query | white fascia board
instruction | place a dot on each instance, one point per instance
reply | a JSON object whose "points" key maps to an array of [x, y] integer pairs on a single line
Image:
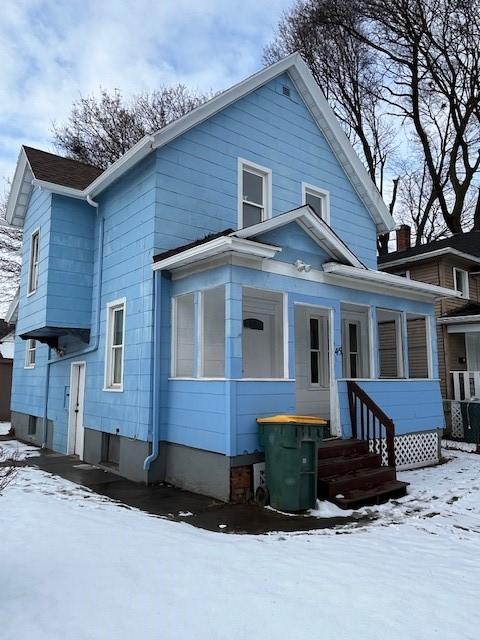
{"points": [[389, 279], [13, 308], [15, 212], [459, 320], [429, 254], [214, 248], [316, 228], [59, 189]]}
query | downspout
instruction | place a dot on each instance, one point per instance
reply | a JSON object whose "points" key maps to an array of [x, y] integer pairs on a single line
{"points": [[156, 310], [92, 347]]}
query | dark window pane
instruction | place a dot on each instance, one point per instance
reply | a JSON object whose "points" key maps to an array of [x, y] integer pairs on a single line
{"points": [[252, 187], [353, 337], [314, 367], [315, 202], [251, 215], [314, 341], [353, 365], [118, 327]]}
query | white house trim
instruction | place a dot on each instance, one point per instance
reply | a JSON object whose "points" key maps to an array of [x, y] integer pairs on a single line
{"points": [[311, 94], [316, 228], [323, 194], [427, 255], [398, 282], [215, 247]]}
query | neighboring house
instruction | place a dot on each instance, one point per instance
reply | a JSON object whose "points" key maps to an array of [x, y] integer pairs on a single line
{"points": [[453, 262], [7, 343], [223, 269]]}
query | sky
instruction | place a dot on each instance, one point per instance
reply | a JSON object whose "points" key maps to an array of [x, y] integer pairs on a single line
{"points": [[53, 51]]}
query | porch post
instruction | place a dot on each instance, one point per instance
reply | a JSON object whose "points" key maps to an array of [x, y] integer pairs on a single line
{"points": [[233, 361], [374, 356]]}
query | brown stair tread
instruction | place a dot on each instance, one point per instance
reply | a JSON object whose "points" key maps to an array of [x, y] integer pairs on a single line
{"points": [[336, 448], [357, 473], [342, 464], [380, 493]]}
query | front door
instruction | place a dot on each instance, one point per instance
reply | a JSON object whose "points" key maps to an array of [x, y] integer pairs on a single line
{"points": [[77, 395], [312, 362]]}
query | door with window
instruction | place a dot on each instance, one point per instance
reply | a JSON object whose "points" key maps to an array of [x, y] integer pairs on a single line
{"points": [[312, 362], [77, 397]]}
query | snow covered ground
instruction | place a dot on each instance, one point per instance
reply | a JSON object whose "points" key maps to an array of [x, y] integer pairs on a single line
{"points": [[78, 567]]}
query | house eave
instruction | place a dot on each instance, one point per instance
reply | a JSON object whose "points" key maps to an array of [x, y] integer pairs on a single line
{"points": [[427, 256], [429, 291], [214, 248], [459, 320]]}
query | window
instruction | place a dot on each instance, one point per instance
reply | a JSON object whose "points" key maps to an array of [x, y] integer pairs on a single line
{"points": [[418, 347], [355, 352], [33, 269], [213, 324], [254, 194], [32, 426], [262, 335], [460, 279], [30, 353], [318, 338], [115, 345], [318, 199], [183, 336], [390, 343]]}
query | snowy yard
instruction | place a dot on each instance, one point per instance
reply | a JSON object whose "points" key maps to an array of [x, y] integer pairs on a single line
{"points": [[76, 566]]}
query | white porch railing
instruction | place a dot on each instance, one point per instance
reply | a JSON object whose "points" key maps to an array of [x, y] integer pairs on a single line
{"points": [[466, 384]]}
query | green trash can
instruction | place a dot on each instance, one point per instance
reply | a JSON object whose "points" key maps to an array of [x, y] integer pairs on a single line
{"points": [[471, 421], [290, 444]]}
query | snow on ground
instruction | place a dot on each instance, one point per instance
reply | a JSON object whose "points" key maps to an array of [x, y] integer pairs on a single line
{"points": [[77, 566], [4, 428]]}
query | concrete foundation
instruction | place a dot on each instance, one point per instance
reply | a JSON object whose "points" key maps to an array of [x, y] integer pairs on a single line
{"points": [[30, 429]]}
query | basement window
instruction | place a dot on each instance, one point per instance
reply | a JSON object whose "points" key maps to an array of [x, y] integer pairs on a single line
{"points": [[390, 343]]}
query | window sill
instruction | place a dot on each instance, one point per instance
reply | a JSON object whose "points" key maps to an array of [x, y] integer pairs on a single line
{"points": [[113, 390], [29, 366], [30, 293]]}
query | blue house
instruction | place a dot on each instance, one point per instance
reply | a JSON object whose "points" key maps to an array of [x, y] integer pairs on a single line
{"points": [[223, 269]]}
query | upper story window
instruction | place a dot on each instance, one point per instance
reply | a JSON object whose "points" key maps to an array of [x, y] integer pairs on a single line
{"points": [[318, 199], [114, 362], [33, 268], [254, 194], [30, 353], [460, 279]]}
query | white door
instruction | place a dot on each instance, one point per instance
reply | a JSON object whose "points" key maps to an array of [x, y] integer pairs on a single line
{"points": [[312, 362], [77, 396]]}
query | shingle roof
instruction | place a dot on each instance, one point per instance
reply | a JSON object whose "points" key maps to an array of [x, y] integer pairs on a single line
{"points": [[64, 171], [190, 245], [469, 309], [464, 242]]}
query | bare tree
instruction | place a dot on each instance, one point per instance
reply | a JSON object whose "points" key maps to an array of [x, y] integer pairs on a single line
{"points": [[102, 128], [347, 72], [10, 254], [414, 69]]}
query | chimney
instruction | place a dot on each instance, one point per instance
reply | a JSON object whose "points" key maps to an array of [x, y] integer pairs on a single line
{"points": [[403, 237]]}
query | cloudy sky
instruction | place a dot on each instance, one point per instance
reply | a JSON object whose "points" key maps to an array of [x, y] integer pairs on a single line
{"points": [[51, 51]]}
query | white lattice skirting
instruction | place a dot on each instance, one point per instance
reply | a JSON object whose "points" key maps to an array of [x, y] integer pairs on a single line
{"points": [[412, 450], [457, 421]]}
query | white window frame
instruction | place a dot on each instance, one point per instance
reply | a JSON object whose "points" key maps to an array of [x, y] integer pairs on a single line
{"points": [[28, 350], [201, 333], [33, 263], [324, 196], [197, 350], [113, 306], [466, 293], [399, 342], [266, 174], [428, 339]]}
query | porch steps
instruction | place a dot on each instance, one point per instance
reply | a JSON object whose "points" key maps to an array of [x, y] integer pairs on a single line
{"points": [[351, 477]]}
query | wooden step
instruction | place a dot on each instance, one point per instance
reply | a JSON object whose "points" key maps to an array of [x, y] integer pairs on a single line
{"points": [[344, 464], [338, 448], [331, 486], [356, 498]]}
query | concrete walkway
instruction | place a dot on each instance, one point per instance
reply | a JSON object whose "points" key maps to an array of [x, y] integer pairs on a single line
{"points": [[178, 505]]}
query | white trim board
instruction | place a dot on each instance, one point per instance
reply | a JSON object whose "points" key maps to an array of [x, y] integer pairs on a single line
{"points": [[313, 98], [427, 256]]}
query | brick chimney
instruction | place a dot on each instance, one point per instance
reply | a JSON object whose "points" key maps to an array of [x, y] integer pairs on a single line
{"points": [[403, 237]]}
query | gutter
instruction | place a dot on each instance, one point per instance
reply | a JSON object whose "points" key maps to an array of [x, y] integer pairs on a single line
{"points": [[90, 348], [156, 316]]}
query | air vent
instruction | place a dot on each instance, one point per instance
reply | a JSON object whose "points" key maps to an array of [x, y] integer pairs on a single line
{"points": [[286, 91]]}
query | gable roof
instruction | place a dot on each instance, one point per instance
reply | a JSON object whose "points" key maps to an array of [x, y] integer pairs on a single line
{"points": [[313, 225], [314, 100], [466, 245]]}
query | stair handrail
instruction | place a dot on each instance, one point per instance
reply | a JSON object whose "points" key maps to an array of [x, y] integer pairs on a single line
{"points": [[355, 392]]}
